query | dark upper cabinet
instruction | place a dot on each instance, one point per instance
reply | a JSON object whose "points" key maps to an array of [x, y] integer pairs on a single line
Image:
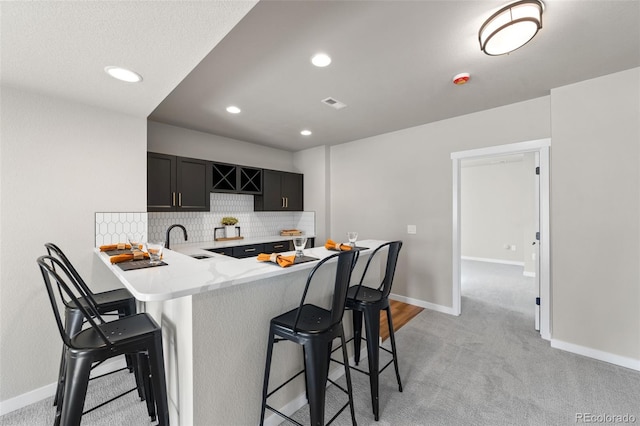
{"points": [[177, 183], [281, 191], [236, 179]]}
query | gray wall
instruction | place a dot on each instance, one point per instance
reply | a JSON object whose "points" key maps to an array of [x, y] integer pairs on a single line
{"points": [[61, 162], [315, 164], [173, 140], [595, 211], [497, 208], [405, 178]]}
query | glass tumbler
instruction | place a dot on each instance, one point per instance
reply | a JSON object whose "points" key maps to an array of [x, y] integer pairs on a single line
{"points": [[352, 237], [155, 252], [299, 244]]}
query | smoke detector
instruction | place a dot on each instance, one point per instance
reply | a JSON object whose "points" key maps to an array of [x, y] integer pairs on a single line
{"points": [[460, 79], [333, 103]]}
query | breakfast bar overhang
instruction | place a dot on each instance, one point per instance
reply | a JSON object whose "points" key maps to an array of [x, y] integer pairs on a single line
{"points": [[215, 315]]}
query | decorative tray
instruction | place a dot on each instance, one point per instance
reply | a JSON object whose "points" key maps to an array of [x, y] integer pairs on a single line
{"points": [[356, 248], [115, 252], [138, 264], [298, 260]]}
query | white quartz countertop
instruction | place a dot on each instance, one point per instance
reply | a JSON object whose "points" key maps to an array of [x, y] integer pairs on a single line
{"points": [[184, 275]]}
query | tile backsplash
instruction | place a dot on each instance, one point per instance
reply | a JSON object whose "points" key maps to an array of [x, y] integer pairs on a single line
{"points": [[200, 225], [114, 227]]}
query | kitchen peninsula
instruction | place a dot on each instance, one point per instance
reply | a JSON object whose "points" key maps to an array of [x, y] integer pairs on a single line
{"points": [[215, 315]]}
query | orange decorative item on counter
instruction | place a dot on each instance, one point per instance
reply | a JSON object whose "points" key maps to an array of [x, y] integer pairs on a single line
{"points": [[139, 255], [119, 246], [283, 261], [332, 245]]}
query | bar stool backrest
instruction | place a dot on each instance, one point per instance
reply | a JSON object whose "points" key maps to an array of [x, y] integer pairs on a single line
{"points": [[341, 286], [54, 271], [56, 252], [390, 269]]}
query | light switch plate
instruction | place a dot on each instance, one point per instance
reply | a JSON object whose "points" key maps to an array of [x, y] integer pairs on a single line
{"points": [[411, 229]]}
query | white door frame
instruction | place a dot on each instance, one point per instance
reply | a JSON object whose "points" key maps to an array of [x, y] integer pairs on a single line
{"points": [[540, 146]]}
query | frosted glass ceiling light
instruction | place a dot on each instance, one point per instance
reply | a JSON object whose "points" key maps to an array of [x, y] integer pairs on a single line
{"points": [[321, 60], [233, 109], [305, 132], [123, 74], [511, 27]]}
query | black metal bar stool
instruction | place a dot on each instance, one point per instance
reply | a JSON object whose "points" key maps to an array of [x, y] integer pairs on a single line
{"points": [[116, 302], [136, 334], [367, 301], [314, 328]]}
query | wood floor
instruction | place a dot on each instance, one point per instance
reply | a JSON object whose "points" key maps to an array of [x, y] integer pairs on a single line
{"points": [[401, 313]]}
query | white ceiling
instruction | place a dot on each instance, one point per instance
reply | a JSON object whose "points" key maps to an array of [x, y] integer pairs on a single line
{"points": [[60, 48], [392, 60]]}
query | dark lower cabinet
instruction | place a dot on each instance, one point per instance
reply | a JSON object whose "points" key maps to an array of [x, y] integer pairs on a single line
{"points": [[252, 250], [177, 183], [278, 247], [281, 191]]}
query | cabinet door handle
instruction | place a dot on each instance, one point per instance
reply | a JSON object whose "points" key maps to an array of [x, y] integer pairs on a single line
{"points": [[180, 199], [286, 202], [282, 202], [173, 197], [279, 246], [249, 250]]}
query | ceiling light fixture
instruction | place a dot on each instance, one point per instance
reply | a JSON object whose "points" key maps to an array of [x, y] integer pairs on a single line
{"points": [[305, 132], [511, 27], [123, 74], [321, 60], [233, 109]]}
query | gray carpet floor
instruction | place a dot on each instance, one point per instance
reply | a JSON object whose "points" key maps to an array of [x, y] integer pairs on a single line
{"points": [[486, 367]]}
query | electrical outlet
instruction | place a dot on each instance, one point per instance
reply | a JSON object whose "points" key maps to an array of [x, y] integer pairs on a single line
{"points": [[411, 229], [513, 248]]}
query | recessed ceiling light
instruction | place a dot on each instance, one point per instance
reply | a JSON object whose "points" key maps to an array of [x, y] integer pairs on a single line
{"points": [[123, 74], [321, 60], [305, 132], [233, 109]]}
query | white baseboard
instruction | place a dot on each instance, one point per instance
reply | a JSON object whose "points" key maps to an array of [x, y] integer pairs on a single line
{"points": [[422, 304], [622, 361], [45, 392], [484, 259]]}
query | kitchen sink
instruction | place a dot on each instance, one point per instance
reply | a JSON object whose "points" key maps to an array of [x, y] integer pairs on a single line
{"points": [[200, 256]]}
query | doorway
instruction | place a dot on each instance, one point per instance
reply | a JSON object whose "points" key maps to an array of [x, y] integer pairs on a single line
{"points": [[539, 238]]}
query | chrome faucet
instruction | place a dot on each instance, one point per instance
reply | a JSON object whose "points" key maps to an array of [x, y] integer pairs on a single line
{"points": [[166, 242]]}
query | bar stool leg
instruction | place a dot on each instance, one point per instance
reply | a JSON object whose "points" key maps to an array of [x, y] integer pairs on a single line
{"points": [[347, 373], [75, 389], [317, 372], [73, 322], [393, 347], [372, 327], [156, 361], [357, 335], [267, 371]]}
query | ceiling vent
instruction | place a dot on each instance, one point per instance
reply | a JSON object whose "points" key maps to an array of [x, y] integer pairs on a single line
{"points": [[333, 103]]}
